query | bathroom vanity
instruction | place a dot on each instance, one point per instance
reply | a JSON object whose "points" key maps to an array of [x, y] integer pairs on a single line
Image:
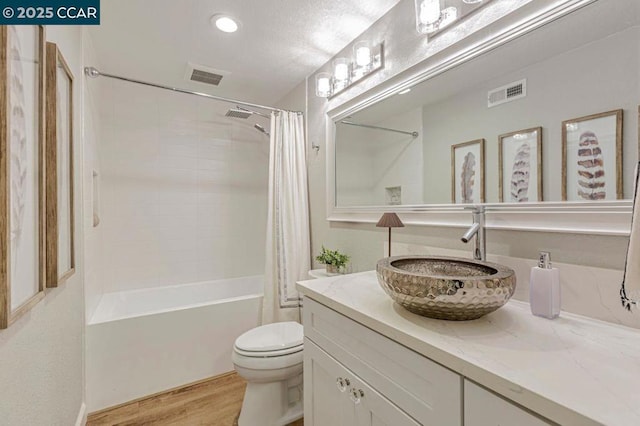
{"points": [[368, 361]]}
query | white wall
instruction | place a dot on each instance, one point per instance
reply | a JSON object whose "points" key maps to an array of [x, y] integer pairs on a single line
{"points": [[41, 354], [184, 189], [93, 236], [364, 242]]}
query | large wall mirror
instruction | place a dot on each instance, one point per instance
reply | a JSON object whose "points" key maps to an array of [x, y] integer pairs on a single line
{"points": [[550, 116]]}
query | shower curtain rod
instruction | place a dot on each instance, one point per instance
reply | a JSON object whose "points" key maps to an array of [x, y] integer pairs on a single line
{"points": [[94, 73], [351, 123]]}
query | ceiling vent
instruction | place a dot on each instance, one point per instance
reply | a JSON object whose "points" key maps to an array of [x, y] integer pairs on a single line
{"points": [[508, 93], [205, 75]]}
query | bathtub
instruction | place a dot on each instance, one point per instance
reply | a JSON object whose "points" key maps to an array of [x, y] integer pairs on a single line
{"points": [[141, 342]]}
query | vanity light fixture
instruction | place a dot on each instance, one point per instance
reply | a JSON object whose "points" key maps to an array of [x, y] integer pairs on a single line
{"points": [[224, 23], [367, 59], [428, 15], [363, 59], [341, 73], [449, 16], [432, 16], [323, 85]]}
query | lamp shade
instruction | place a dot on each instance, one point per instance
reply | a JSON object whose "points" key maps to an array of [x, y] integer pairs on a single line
{"points": [[390, 220]]}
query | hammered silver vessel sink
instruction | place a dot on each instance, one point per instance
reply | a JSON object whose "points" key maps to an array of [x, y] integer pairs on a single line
{"points": [[448, 288]]}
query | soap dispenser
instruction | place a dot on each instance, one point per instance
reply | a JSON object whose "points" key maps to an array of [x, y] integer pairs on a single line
{"points": [[544, 288]]}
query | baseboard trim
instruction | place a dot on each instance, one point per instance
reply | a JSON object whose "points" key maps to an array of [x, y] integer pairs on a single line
{"points": [[81, 420], [146, 397]]}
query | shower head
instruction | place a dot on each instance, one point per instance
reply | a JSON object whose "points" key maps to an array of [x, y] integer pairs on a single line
{"points": [[239, 112], [261, 129]]}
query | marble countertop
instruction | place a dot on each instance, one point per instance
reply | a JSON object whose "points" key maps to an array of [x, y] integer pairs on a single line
{"points": [[320, 273], [572, 370]]}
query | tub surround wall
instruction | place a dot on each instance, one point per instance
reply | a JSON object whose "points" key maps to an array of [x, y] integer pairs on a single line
{"points": [[41, 354], [94, 238], [404, 49], [184, 189]]}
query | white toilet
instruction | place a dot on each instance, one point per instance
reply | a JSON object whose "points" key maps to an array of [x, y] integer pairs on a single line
{"points": [[269, 358]]}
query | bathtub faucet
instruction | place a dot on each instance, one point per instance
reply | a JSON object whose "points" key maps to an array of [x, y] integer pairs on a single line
{"points": [[477, 229]]}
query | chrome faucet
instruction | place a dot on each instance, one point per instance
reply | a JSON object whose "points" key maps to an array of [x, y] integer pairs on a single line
{"points": [[477, 230]]}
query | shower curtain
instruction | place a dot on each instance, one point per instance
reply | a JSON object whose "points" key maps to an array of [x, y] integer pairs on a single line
{"points": [[288, 251]]}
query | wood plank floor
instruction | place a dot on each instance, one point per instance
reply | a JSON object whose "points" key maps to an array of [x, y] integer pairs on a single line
{"points": [[214, 402]]}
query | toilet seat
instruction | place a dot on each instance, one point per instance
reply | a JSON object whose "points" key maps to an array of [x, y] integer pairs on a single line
{"points": [[268, 354], [271, 340]]}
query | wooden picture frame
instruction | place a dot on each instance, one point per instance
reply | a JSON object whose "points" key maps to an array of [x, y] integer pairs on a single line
{"points": [[22, 191], [466, 159], [520, 161], [591, 154], [59, 166]]}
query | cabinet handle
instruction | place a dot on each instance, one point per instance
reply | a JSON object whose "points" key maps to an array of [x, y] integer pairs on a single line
{"points": [[342, 384], [356, 395]]}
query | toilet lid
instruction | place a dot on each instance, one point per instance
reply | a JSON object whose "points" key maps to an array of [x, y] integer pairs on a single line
{"points": [[271, 337]]}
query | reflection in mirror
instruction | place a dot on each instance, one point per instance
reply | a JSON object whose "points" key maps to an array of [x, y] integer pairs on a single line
{"points": [[579, 66]]}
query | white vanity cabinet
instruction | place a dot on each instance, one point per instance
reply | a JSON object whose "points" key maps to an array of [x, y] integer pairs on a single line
{"points": [[509, 368], [355, 376], [338, 397], [484, 408]]}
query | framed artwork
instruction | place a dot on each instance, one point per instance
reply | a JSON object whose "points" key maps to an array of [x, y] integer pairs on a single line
{"points": [[59, 167], [592, 157], [467, 172], [22, 206], [520, 166]]}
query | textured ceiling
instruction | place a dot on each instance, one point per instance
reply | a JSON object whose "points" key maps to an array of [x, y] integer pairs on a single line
{"points": [[280, 42]]}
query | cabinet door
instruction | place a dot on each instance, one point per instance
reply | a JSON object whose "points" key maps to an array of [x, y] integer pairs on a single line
{"points": [[326, 390], [426, 391], [483, 408], [372, 409], [334, 396]]}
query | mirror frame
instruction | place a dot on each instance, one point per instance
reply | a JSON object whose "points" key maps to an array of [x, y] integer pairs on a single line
{"points": [[594, 218]]}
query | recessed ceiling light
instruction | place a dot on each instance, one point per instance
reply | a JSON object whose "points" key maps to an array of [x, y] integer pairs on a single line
{"points": [[402, 92], [224, 23]]}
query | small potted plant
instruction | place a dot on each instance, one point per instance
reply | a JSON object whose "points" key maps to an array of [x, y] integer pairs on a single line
{"points": [[334, 260]]}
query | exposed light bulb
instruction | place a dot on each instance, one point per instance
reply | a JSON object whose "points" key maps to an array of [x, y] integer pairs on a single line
{"points": [[323, 85], [341, 69], [429, 12], [362, 53]]}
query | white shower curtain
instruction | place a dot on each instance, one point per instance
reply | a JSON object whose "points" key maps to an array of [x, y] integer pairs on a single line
{"points": [[288, 251]]}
